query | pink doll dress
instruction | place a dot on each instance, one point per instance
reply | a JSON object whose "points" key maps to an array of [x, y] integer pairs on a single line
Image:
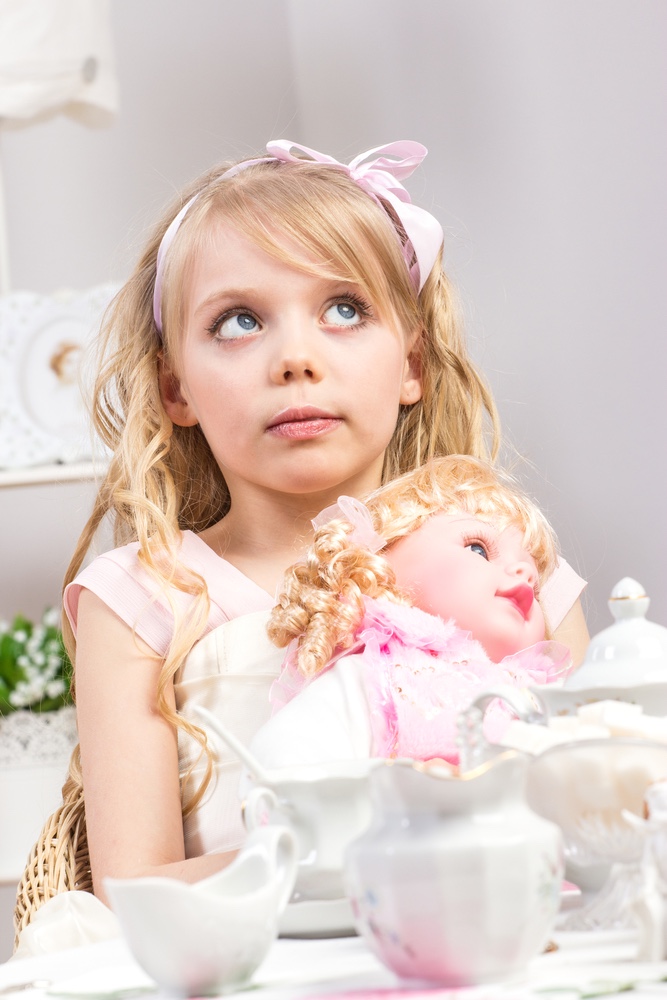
{"points": [[419, 672]]}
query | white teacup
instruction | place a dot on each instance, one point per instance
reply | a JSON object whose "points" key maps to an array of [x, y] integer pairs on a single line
{"points": [[326, 806]]}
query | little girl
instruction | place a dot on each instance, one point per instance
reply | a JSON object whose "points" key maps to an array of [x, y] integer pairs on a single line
{"points": [[387, 650], [287, 336]]}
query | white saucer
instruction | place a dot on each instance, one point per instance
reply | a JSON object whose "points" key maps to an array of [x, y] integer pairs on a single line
{"points": [[328, 918], [317, 918]]}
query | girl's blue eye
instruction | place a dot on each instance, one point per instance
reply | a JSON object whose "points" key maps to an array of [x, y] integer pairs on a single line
{"points": [[479, 549], [238, 325], [342, 314]]}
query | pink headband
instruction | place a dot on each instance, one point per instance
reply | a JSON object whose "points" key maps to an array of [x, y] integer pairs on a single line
{"points": [[379, 177]]}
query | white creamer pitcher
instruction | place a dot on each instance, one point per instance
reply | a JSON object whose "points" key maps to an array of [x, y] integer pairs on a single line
{"points": [[456, 881], [209, 937]]}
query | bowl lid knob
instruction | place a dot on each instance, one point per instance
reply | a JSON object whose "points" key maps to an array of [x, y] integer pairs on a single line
{"points": [[628, 599]]}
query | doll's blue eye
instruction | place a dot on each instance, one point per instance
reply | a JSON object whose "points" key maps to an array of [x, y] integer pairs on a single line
{"points": [[478, 548]]}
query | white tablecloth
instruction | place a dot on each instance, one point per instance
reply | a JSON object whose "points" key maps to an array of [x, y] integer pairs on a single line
{"points": [[583, 965]]}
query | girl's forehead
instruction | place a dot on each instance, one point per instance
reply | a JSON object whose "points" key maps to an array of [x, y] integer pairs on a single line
{"points": [[228, 248], [227, 256]]}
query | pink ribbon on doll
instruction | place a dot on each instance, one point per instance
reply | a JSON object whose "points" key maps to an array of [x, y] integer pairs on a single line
{"points": [[379, 176], [357, 514]]}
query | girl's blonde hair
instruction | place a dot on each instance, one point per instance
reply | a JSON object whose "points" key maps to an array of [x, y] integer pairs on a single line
{"points": [[322, 602], [163, 478]]}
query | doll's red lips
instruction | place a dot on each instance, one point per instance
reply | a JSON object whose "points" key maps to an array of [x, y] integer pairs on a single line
{"points": [[302, 422], [521, 596]]}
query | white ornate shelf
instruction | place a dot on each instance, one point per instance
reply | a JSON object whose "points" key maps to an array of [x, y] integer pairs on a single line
{"points": [[57, 473], [44, 364]]}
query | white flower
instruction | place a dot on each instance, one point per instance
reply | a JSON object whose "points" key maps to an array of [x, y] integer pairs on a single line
{"points": [[55, 688], [51, 618], [39, 659]]}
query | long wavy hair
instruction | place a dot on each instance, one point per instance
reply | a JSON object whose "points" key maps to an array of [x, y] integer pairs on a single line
{"points": [[322, 600], [163, 478]]}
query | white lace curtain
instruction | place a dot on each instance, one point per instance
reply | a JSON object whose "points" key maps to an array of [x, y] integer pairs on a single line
{"points": [[56, 56]]}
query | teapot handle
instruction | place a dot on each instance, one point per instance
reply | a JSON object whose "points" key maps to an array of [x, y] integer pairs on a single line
{"points": [[257, 808], [277, 844]]}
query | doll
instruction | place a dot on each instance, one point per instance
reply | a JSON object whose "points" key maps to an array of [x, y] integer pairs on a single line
{"points": [[387, 648]]}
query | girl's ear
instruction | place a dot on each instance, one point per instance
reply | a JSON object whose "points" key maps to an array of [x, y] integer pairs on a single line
{"points": [[411, 388], [176, 406]]}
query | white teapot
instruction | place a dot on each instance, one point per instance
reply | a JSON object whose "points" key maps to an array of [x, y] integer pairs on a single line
{"points": [[457, 881], [209, 937]]}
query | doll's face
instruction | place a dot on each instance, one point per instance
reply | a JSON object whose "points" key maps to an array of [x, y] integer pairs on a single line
{"points": [[457, 566]]}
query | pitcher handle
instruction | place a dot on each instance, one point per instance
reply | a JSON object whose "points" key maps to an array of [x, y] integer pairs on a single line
{"points": [[525, 703], [473, 747], [278, 845]]}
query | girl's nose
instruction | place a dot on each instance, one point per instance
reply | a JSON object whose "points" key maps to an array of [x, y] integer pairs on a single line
{"points": [[296, 359]]}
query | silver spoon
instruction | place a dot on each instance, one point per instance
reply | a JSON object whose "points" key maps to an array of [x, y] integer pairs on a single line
{"points": [[256, 769]]}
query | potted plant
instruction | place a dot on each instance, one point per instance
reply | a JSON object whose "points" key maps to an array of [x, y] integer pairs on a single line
{"points": [[37, 733]]}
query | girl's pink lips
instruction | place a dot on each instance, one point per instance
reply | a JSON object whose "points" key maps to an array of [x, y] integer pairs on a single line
{"points": [[521, 596], [302, 422]]}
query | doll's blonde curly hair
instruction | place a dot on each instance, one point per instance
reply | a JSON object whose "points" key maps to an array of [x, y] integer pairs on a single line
{"points": [[322, 601]]}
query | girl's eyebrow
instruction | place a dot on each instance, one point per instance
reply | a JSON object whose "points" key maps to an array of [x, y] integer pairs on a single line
{"points": [[235, 294], [327, 288]]}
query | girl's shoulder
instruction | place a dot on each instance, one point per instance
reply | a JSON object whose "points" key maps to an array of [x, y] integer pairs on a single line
{"points": [[121, 581], [559, 592]]}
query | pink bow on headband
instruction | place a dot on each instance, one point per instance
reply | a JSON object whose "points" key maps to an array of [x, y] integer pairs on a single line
{"points": [[379, 177]]}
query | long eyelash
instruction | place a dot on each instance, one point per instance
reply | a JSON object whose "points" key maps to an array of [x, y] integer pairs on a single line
{"points": [[227, 314], [364, 308], [488, 541]]}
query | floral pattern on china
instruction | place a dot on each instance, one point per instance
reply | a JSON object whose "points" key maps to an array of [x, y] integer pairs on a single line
{"points": [[42, 342]]}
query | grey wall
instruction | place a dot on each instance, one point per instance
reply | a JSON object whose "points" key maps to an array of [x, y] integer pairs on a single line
{"points": [[545, 123]]}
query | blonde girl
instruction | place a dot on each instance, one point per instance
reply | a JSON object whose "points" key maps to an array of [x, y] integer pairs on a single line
{"points": [[404, 610], [288, 335]]}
